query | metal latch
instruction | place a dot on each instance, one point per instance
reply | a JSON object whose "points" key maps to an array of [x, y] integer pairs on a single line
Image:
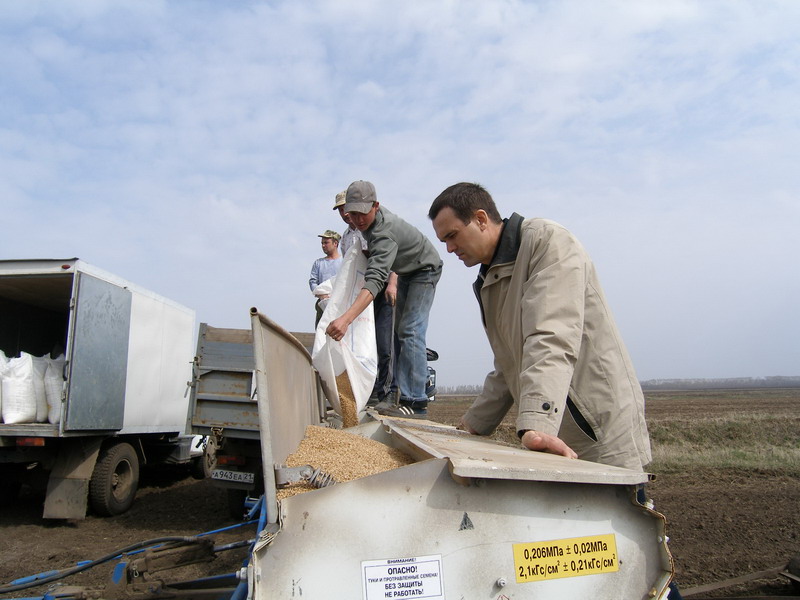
{"points": [[287, 475]]}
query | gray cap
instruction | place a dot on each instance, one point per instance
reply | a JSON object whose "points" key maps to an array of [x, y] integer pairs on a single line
{"points": [[360, 197]]}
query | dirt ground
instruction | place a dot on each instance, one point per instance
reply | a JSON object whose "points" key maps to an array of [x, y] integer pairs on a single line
{"points": [[721, 524]]}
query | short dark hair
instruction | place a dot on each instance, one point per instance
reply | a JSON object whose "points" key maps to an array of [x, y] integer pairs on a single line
{"points": [[465, 199]]}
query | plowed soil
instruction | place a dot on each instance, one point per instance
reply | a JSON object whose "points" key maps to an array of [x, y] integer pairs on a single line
{"points": [[722, 524]]}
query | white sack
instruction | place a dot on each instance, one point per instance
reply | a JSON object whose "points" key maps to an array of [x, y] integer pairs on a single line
{"points": [[325, 288], [356, 353], [3, 363], [19, 395], [39, 366], [54, 387]]}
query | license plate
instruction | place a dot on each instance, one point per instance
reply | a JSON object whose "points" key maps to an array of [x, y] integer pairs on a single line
{"points": [[237, 476]]}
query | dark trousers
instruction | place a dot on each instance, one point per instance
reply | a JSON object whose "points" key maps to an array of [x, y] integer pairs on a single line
{"points": [[384, 338]]}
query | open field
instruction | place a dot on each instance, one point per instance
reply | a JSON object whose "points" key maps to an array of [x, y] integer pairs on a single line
{"points": [[723, 520]]}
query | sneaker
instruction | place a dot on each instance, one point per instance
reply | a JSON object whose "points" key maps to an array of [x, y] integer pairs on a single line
{"points": [[406, 412]]}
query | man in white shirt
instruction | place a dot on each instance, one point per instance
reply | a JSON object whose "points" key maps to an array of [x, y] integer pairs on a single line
{"points": [[326, 267]]}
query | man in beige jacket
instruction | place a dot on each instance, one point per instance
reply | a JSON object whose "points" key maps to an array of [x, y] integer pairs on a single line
{"points": [[557, 350]]}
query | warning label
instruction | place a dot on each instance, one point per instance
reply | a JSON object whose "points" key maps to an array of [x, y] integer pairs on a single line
{"points": [[417, 577], [571, 557]]}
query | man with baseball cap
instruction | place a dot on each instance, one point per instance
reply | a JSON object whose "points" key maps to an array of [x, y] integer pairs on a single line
{"points": [[351, 236], [383, 305], [326, 267], [395, 246]]}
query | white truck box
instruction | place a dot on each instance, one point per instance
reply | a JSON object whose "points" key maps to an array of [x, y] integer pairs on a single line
{"points": [[128, 360]]}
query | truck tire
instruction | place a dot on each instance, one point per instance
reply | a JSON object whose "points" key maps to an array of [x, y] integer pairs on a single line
{"points": [[210, 455], [115, 480], [197, 468]]}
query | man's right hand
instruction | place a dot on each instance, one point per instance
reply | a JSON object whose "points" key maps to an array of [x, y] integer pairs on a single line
{"points": [[544, 442], [337, 328]]}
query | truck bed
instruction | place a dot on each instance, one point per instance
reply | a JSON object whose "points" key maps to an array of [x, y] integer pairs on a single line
{"points": [[222, 396]]}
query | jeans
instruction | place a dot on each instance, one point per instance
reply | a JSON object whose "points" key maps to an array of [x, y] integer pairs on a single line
{"points": [[384, 322], [415, 293]]}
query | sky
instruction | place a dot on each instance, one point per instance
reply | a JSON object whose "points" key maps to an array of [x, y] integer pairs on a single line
{"points": [[195, 148]]}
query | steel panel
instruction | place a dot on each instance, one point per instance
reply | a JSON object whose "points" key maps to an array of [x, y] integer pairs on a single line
{"points": [[223, 386], [98, 356], [289, 398], [420, 510], [477, 456]]}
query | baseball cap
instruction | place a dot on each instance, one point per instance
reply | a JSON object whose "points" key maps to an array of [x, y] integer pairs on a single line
{"points": [[330, 233], [340, 197], [360, 197]]}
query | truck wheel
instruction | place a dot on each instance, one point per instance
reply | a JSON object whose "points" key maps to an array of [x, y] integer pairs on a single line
{"points": [[115, 480], [210, 455], [198, 468]]}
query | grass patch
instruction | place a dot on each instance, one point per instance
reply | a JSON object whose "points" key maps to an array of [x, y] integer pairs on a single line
{"points": [[736, 441], [707, 429]]}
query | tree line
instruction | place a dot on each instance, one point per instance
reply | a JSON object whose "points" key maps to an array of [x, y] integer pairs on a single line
{"points": [[777, 381]]}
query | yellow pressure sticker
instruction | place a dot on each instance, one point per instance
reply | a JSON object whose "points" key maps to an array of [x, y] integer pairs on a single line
{"points": [[572, 557]]}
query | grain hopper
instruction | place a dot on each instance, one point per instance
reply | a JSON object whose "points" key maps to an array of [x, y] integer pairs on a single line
{"points": [[469, 519]]}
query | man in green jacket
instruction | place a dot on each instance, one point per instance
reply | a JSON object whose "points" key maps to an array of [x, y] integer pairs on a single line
{"points": [[557, 351], [395, 246]]}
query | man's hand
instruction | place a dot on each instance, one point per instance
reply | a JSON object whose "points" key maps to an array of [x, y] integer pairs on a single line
{"points": [[337, 328], [544, 442], [391, 296], [391, 289]]}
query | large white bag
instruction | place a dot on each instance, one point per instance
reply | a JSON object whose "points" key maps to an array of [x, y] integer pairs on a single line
{"points": [[38, 367], [19, 393], [3, 363], [356, 353], [54, 387]]}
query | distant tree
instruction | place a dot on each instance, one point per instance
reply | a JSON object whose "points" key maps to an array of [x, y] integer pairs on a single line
{"points": [[778, 381]]}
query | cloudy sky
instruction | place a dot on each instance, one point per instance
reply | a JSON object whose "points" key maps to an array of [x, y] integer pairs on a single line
{"points": [[195, 148]]}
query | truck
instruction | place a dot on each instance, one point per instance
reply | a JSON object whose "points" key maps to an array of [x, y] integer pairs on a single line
{"points": [[120, 400], [224, 410]]}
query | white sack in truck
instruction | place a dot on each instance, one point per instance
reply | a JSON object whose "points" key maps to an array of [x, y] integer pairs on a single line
{"points": [[54, 387], [3, 363], [356, 353], [39, 366], [19, 393]]}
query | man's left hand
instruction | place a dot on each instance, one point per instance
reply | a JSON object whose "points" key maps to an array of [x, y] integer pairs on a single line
{"points": [[391, 289], [544, 442]]}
